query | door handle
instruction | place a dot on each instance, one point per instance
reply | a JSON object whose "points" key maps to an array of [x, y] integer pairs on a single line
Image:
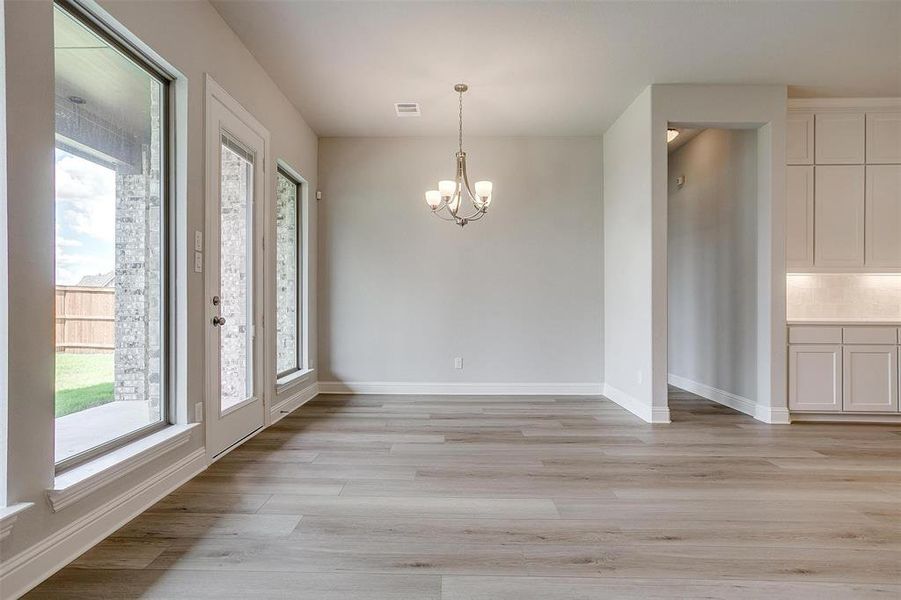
{"points": [[218, 321]]}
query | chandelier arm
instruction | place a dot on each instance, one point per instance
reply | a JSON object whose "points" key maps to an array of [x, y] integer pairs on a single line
{"points": [[442, 217], [478, 214]]}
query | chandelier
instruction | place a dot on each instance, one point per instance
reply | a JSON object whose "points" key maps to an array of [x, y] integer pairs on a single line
{"points": [[446, 201]]}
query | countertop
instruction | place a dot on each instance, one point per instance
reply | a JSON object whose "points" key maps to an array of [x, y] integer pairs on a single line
{"points": [[850, 322]]}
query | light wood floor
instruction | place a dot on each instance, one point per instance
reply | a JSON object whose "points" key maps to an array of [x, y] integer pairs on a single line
{"points": [[396, 498]]}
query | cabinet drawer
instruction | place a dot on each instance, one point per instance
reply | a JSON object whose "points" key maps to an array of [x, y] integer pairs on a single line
{"points": [[811, 334], [869, 335]]}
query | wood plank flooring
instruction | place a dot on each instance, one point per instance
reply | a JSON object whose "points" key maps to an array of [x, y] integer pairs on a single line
{"points": [[496, 498]]}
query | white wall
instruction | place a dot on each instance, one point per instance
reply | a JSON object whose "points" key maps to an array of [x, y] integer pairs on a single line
{"points": [[762, 108], [193, 38], [517, 295], [4, 270], [712, 262], [627, 259], [635, 210]]}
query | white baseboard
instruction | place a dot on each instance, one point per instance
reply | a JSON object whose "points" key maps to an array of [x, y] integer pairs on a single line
{"points": [[35, 564], [293, 402], [635, 406], [460, 389], [887, 418], [773, 416], [734, 401]]}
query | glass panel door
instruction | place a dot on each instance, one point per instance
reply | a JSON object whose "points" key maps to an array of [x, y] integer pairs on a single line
{"points": [[236, 329]]}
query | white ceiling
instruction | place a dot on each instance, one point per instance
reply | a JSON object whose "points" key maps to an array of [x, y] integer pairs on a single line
{"points": [[552, 68]]}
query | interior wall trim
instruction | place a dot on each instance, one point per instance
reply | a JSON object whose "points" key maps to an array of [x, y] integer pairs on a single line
{"points": [[460, 389], [734, 401], [293, 402], [646, 412], [33, 565]]}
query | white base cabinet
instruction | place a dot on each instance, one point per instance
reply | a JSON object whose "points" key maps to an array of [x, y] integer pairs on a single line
{"points": [[851, 369], [815, 378], [870, 378]]}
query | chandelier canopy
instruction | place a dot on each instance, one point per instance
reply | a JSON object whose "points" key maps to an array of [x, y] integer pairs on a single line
{"points": [[446, 201]]}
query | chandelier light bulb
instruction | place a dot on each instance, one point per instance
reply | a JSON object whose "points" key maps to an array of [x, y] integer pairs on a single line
{"points": [[483, 189], [447, 188], [433, 198]]}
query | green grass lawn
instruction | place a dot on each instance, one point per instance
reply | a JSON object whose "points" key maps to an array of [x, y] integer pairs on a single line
{"points": [[83, 381]]}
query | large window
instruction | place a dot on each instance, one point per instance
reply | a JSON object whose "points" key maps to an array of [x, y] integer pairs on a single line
{"points": [[111, 198], [288, 274]]}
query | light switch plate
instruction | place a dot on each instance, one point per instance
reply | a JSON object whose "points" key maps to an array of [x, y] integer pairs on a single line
{"points": [[198, 262], [198, 241]]}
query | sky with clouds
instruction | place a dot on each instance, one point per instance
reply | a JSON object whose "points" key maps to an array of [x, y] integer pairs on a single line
{"points": [[85, 218]]}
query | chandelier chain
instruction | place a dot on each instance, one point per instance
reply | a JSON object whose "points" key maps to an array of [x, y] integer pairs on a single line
{"points": [[460, 139]]}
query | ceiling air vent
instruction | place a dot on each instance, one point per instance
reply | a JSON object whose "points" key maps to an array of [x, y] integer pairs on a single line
{"points": [[406, 109]]}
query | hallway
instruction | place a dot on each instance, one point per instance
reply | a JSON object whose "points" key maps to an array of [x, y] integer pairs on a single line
{"points": [[414, 497]]}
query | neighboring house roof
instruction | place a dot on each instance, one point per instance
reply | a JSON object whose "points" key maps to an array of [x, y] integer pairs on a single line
{"points": [[99, 280]]}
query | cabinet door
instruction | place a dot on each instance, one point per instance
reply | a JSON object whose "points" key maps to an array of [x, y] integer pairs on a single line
{"points": [[799, 139], [839, 139], [870, 375], [883, 209], [815, 377], [884, 138], [839, 216], [799, 217]]}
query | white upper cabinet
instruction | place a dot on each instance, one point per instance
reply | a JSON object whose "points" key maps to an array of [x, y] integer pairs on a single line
{"points": [[884, 138], [839, 217], [799, 139], [840, 138], [883, 216], [799, 216]]}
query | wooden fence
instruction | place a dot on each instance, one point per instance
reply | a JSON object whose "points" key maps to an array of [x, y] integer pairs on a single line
{"points": [[85, 319]]}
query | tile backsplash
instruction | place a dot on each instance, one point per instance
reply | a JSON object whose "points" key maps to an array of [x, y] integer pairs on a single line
{"points": [[851, 296]]}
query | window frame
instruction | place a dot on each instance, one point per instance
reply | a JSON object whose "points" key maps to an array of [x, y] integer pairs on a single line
{"points": [[77, 11], [300, 355]]}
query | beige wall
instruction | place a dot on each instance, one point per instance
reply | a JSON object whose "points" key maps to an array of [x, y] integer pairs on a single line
{"points": [[517, 295], [194, 40]]}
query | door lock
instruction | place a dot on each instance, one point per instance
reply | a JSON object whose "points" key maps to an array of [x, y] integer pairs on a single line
{"points": [[216, 301]]}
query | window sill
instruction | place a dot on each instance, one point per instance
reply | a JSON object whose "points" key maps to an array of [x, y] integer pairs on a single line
{"points": [[8, 517], [76, 483], [294, 378]]}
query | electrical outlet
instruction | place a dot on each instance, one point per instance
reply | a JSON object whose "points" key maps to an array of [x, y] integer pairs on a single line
{"points": [[198, 412], [458, 363], [198, 262]]}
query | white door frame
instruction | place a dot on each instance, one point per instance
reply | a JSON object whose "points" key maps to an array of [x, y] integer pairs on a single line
{"points": [[218, 103]]}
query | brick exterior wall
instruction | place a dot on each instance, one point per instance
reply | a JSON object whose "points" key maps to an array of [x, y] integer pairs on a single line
{"points": [[286, 274], [139, 245]]}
